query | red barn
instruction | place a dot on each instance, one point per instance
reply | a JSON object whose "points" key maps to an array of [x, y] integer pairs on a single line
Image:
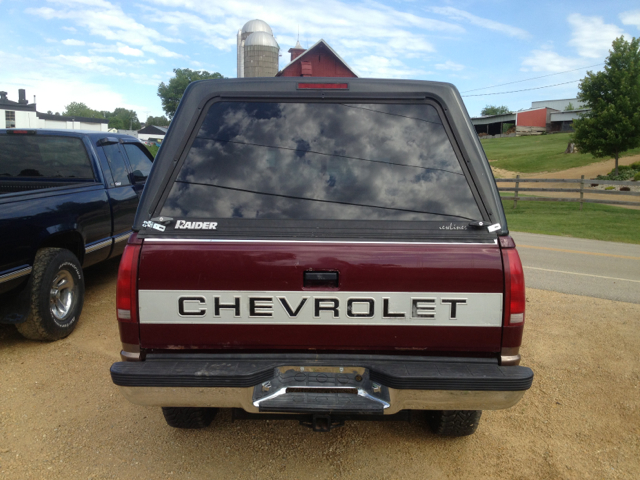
{"points": [[538, 118], [320, 60]]}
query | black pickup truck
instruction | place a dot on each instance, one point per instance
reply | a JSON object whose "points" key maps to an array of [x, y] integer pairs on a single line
{"points": [[67, 201]]}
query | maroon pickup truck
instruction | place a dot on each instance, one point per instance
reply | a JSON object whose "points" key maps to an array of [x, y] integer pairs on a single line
{"points": [[324, 250]]}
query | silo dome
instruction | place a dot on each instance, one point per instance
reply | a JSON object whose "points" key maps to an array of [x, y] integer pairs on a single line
{"points": [[256, 26], [262, 39]]}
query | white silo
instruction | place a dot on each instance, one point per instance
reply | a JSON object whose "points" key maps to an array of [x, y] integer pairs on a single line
{"points": [[261, 50]]}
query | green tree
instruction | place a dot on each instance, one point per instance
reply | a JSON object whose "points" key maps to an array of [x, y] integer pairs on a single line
{"points": [[172, 92], [158, 121], [117, 123], [612, 126], [495, 110], [128, 119], [79, 109], [569, 107]]}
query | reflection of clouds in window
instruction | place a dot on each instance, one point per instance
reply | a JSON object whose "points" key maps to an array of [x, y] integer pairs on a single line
{"points": [[383, 164], [338, 129], [200, 201]]}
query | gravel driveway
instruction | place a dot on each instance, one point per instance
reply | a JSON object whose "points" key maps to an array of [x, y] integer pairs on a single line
{"points": [[61, 417]]}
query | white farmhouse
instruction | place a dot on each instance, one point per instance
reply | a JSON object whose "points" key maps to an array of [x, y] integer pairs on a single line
{"points": [[22, 114]]}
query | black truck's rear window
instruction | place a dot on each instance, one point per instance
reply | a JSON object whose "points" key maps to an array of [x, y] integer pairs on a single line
{"points": [[37, 156], [308, 161]]}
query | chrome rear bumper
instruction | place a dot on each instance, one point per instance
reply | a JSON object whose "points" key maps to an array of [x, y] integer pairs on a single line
{"points": [[222, 397], [321, 383]]}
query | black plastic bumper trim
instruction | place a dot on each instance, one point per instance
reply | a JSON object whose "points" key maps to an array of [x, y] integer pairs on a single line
{"points": [[399, 372]]}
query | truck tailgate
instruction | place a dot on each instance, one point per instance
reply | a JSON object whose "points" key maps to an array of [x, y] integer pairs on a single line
{"points": [[392, 297]]}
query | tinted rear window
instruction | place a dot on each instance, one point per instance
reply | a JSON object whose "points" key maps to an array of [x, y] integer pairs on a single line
{"points": [[43, 156], [317, 161]]}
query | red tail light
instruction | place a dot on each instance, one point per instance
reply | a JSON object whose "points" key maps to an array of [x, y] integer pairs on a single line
{"points": [[514, 287], [127, 291], [514, 295]]}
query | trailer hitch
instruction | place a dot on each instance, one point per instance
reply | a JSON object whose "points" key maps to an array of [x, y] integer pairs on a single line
{"points": [[322, 423]]}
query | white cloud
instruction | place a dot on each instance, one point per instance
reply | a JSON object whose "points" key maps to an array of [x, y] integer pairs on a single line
{"points": [[127, 50], [449, 65], [58, 80], [591, 36], [54, 91], [367, 28], [99, 64], [631, 18], [73, 43], [374, 66], [550, 61], [102, 18], [160, 51], [457, 14], [69, 29]]}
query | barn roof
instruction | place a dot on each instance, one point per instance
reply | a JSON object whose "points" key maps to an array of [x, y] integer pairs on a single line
{"points": [[309, 50]]}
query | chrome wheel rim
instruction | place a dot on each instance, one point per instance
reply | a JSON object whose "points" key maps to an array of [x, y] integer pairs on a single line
{"points": [[64, 292]]}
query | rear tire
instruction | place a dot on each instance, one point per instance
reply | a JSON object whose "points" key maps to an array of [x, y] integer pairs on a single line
{"points": [[454, 423], [189, 417], [56, 295]]}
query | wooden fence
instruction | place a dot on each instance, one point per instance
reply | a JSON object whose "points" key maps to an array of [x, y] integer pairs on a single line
{"points": [[582, 182]]}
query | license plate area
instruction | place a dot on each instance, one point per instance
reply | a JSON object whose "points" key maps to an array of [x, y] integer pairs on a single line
{"points": [[296, 389]]}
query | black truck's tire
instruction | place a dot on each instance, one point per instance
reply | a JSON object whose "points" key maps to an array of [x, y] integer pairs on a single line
{"points": [[56, 295], [454, 423], [189, 417]]}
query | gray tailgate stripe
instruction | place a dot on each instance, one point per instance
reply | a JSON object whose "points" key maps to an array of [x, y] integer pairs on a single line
{"points": [[320, 308]]}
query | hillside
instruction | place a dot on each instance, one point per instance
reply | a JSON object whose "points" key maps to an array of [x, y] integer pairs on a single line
{"points": [[541, 153]]}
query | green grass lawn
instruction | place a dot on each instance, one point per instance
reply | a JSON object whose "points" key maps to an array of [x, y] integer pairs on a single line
{"points": [[153, 149], [539, 153], [595, 221]]}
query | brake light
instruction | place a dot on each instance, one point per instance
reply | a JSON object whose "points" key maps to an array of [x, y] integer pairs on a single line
{"points": [[514, 301], [127, 287], [21, 132], [312, 86]]}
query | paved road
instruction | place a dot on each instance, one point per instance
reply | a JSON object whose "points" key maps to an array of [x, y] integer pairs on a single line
{"points": [[582, 267]]}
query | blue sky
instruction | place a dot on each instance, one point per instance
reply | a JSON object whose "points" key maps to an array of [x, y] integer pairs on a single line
{"points": [[111, 54]]}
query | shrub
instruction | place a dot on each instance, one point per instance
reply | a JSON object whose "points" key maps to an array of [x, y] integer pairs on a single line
{"points": [[625, 172], [636, 177], [610, 188]]}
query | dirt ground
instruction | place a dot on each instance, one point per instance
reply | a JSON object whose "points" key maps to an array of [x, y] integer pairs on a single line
{"points": [[61, 417]]}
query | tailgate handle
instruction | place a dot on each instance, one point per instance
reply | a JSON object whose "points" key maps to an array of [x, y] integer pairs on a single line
{"points": [[321, 279]]}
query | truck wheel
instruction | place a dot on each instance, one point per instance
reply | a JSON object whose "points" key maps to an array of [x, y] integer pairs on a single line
{"points": [[454, 423], [189, 417], [56, 290]]}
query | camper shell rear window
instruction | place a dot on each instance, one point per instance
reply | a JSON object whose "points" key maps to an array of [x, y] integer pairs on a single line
{"points": [[335, 162]]}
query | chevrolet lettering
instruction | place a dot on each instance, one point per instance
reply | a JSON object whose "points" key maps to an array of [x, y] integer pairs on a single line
{"points": [[374, 308], [338, 253]]}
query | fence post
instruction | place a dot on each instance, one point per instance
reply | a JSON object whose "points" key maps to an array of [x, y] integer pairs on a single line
{"points": [[515, 196], [581, 190]]}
